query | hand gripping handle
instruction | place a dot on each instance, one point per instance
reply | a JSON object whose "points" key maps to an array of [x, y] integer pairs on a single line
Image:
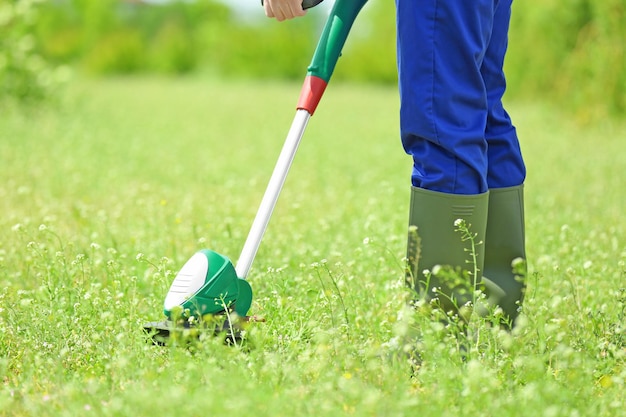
{"points": [[306, 4]]}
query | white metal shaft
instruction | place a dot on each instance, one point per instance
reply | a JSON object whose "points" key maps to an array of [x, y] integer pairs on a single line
{"points": [[272, 192]]}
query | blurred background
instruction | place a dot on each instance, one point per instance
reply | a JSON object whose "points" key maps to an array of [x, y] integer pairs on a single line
{"points": [[570, 52]]}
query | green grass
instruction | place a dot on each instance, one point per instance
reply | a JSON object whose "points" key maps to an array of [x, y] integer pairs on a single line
{"points": [[157, 168]]}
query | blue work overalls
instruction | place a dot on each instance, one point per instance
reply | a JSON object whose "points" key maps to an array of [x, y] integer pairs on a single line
{"points": [[451, 80]]}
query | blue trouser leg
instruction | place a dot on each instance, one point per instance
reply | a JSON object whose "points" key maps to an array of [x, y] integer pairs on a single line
{"points": [[452, 121], [505, 164]]}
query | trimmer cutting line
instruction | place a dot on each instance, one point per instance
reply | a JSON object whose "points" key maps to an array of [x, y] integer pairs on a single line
{"points": [[208, 285]]}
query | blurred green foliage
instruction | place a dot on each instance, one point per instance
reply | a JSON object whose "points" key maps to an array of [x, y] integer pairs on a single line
{"points": [[114, 36], [571, 52], [24, 74]]}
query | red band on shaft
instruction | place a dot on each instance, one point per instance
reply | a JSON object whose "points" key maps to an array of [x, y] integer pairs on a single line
{"points": [[311, 93]]}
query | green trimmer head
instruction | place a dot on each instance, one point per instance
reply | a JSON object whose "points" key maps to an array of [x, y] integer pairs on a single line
{"points": [[207, 284]]}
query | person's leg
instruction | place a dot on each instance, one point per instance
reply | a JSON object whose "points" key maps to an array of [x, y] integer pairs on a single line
{"points": [[443, 101], [443, 116], [505, 236], [505, 163]]}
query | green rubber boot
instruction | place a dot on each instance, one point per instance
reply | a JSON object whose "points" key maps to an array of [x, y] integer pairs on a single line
{"points": [[434, 241], [505, 246]]}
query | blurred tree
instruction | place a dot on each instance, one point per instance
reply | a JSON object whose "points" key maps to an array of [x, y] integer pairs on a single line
{"points": [[116, 36], [372, 46], [25, 75], [573, 53]]}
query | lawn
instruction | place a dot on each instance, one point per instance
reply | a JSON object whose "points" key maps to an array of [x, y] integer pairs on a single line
{"points": [[106, 195]]}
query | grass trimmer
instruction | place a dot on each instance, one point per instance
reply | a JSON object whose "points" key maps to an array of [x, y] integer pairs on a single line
{"points": [[208, 286]]}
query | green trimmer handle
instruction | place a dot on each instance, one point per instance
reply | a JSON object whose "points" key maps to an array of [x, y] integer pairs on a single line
{"points": [[329, 47], [328, 51]]}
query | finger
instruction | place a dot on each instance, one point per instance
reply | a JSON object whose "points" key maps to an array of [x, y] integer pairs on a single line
{"points": [[268, 9], [295, 9], [283, 10]]}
